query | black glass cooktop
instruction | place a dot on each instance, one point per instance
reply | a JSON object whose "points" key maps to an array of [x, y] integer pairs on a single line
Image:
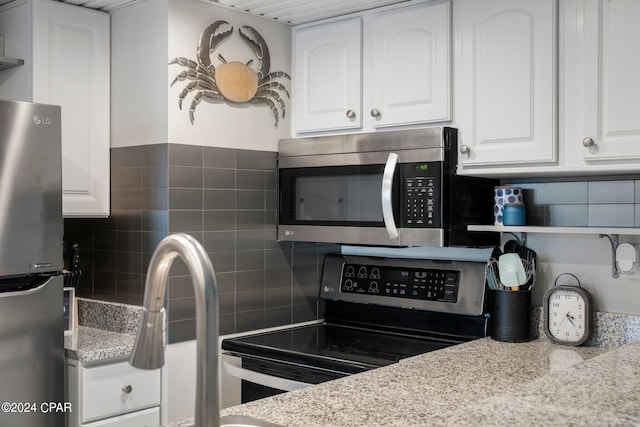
{"points": [[335, 347]]}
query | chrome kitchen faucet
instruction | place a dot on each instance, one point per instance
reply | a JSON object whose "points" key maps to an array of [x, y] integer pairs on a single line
{"points": [[148, 351]]}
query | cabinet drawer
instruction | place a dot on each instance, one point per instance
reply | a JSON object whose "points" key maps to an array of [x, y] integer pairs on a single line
{"points": [[116, 389], [147, 418]]}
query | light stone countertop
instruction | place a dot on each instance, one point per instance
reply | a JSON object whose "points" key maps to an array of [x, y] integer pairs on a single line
{"points": [[107, 331], [91, 344], [480, 383]]}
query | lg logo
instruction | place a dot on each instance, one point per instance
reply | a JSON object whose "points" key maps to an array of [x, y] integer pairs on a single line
{"points": [[37, 120]]}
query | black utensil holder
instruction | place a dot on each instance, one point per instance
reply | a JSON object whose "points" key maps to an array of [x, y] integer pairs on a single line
{"points": [[510, 315]]}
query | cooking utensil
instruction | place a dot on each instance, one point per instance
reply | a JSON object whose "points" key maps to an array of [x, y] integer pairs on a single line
{"points": [[511, 270], [511, 246], [490, 276]]}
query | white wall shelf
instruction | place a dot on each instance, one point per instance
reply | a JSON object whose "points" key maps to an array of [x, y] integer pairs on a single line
{"points": [[6, 63], [625, 231], [611, 233]]}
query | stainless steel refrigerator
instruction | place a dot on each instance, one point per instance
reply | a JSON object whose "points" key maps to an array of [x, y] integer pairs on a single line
{"points": [[31, 303]]}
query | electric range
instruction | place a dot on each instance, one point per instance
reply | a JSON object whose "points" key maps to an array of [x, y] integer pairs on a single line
{"points": [[378, 311]]}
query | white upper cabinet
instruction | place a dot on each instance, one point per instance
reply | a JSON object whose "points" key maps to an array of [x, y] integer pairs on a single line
{"points": [[71, 68], [66, 50], [410, 65], [609, 40], [326, 78], [377, 69], [505, 82]]}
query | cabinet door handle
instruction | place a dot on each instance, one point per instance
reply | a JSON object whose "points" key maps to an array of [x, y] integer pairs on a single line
{"points": [[351, 114], [464, 149], [588, 142], [375, 113], [127, 390]]}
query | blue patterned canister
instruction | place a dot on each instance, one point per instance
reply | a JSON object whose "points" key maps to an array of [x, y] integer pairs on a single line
{"points": [[502, 196]]}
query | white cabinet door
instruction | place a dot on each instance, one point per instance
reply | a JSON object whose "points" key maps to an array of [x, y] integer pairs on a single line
{"points": [[71, 68], [326, 76], [147, 418], [410, 57], [506, 81], [612, 81]]}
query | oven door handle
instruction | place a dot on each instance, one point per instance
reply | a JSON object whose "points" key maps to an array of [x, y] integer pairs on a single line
{"points": [[387, 186], [263, 379]]}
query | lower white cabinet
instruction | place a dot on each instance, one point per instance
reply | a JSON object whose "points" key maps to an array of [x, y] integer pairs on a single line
{"points": [[147, 418], [113, 394]]}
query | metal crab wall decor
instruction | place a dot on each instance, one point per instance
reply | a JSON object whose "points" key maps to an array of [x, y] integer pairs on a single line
{"points": [[232, 82]]}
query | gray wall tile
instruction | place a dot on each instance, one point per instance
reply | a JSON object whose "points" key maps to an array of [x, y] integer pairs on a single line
{"points": [[185, 177], [220, 241], [612, 215], [155, 177], [181, 330], [219, 199], [568, 216], [249, 320], [181, 308], [155, 155], [129, 241], [277, 316], [126, 157], [258, 160], [186, 198], [186, 155], [219, 220], [566, 193], [252, 180], [215, 157], [180, 221], [249, 300], [250, 200], [250, 280], [130, 177], [611, 192], [219, 178], [226, 199]]}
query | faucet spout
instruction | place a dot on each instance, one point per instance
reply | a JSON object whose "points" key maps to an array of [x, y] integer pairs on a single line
{"points": [[148, 351]]}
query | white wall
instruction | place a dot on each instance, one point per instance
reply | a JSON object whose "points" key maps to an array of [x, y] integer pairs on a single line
{"points": [[181, 387], [224, 125], [589, 258], [138, 74]]}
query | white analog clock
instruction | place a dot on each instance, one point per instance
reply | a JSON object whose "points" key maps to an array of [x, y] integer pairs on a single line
{"points": [[567, 314]]}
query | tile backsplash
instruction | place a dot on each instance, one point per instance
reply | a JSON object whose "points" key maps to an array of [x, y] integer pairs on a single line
{"points": [[584, 203], [226, 199]]}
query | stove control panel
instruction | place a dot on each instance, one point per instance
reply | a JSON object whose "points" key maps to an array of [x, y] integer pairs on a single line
{"points": [[415, 283]]}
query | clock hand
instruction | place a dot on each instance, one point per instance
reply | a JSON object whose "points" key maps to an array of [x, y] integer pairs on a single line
{"points": [[562, 321], [570, 318]]}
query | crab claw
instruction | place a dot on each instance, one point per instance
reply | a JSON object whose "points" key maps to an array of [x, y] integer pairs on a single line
{"points": [[209, 40], [259, 47]]}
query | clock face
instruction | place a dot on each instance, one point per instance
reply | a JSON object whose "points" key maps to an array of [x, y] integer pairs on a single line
{"points": [[567, 315]]}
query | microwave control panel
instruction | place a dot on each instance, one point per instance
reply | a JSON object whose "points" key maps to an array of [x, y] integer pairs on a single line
{"points": [[421, 185], [397, 282]]}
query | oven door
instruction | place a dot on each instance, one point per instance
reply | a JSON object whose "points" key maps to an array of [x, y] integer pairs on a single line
{"points": [[262, 377], [371, 201]]}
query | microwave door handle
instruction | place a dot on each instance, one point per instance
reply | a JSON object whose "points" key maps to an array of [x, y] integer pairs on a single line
{"points": [[387, 186]]}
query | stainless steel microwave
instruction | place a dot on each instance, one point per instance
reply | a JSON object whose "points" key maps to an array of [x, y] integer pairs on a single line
{"points": [[395, 188]]}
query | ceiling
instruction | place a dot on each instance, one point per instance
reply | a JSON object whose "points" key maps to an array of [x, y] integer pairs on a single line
{"points": [[288, 11], [300, 11]]}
